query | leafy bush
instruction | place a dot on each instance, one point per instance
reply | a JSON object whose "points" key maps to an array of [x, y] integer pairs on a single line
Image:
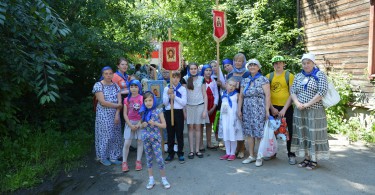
{"points": [[337, 118]]}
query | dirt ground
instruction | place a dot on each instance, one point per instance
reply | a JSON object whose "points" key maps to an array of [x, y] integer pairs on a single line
{"points": [[350, 170]]}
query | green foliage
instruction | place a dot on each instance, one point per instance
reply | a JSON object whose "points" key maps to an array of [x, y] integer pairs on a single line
{"points": [[337, 118], [29, 158]]}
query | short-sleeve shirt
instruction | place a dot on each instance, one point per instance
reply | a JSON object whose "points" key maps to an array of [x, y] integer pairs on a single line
{"points": [[133, 106], [279, 88], [313, 87], [152, 132], [195, 97]]}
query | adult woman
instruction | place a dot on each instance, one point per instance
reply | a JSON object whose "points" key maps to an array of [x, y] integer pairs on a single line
{"points": [[254, 100], [107, 121], [309, 122], [238, 74], [228, 65]]}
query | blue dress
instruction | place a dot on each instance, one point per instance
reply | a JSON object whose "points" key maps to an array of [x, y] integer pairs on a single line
{"points": [[254, 107], [107, 133]]}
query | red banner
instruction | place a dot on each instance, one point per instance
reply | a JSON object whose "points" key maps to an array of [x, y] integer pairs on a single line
{"points": [[220, 25], [169, 55]]}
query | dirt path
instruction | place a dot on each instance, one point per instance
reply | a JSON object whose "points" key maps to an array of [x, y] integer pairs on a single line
{"points": [[349, 171]]}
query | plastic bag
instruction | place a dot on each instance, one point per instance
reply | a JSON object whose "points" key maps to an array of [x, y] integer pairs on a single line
{"points": [[332, 97], [216, 121], [268, 144]]}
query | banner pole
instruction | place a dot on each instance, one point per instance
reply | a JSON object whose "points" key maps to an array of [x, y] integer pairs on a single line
{"points": [[170, 84]]}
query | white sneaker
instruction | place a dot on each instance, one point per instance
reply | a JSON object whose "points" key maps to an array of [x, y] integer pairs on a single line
{"points": [[250, 159], [150, 184], [259, 162], [165, 184], [292, 160]]}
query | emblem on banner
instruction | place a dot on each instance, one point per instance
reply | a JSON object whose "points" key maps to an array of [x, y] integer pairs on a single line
{"points": [[220, 25], [169, 55]]}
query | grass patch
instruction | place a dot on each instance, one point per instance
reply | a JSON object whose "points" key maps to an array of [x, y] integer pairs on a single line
{"points": [[29, 158]]}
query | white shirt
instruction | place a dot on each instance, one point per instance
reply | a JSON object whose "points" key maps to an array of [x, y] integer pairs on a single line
{"points": [[178, 103]]}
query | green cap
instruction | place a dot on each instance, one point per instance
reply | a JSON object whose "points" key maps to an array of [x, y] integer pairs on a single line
{"points": [[278, 59]]}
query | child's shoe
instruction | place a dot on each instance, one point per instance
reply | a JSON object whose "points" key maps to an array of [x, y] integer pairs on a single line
{"points": [[169, 159], [165, 183], [241, 155], [224, 157], [138, 165], [232, 157], [181, 159], [151, 184], [125, 167]]}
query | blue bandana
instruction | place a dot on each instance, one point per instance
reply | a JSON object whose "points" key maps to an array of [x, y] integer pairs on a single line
{"points": [[227, 61], [204, 68], [311, 74], [226, 95], [134, 82], [252, 79], [146, 111], [123, 76], [104, 69], [178, 94]]}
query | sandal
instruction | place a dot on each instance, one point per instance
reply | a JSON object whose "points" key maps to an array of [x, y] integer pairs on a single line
{"points": [[191, 155], [212, 147], [200, 155], [304, 163], [312, 165]]}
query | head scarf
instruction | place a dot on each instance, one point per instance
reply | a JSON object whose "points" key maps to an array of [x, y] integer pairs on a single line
{"points": [[242, 69], [311, 74], [204, 68], [227, 61], [104, 69], [147, 111], [134, 82]]}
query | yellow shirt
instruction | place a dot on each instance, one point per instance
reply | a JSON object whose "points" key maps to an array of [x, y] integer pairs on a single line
{"points": [[279, 88]]}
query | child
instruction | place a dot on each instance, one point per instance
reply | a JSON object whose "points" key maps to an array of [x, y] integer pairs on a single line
{"points": [[230, 129], [196, 107], [152, 121], [132, 104], [212, 102], [177, 94]]}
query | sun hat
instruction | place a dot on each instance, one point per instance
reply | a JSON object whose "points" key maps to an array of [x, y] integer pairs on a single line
{"points": [[254, 61], [277, 59]]}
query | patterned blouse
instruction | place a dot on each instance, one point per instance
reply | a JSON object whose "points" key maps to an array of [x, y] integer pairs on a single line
{"points": [[152, 132], [313, 87]]}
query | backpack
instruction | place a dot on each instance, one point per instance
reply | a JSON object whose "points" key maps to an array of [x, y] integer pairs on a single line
{"points": [[287, 73], [95, 100]]}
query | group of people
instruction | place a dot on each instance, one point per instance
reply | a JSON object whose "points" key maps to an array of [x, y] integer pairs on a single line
{"points": [[236, 105]]}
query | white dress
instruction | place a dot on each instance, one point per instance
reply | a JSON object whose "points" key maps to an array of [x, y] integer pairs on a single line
{"points": [[230, 127]]}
